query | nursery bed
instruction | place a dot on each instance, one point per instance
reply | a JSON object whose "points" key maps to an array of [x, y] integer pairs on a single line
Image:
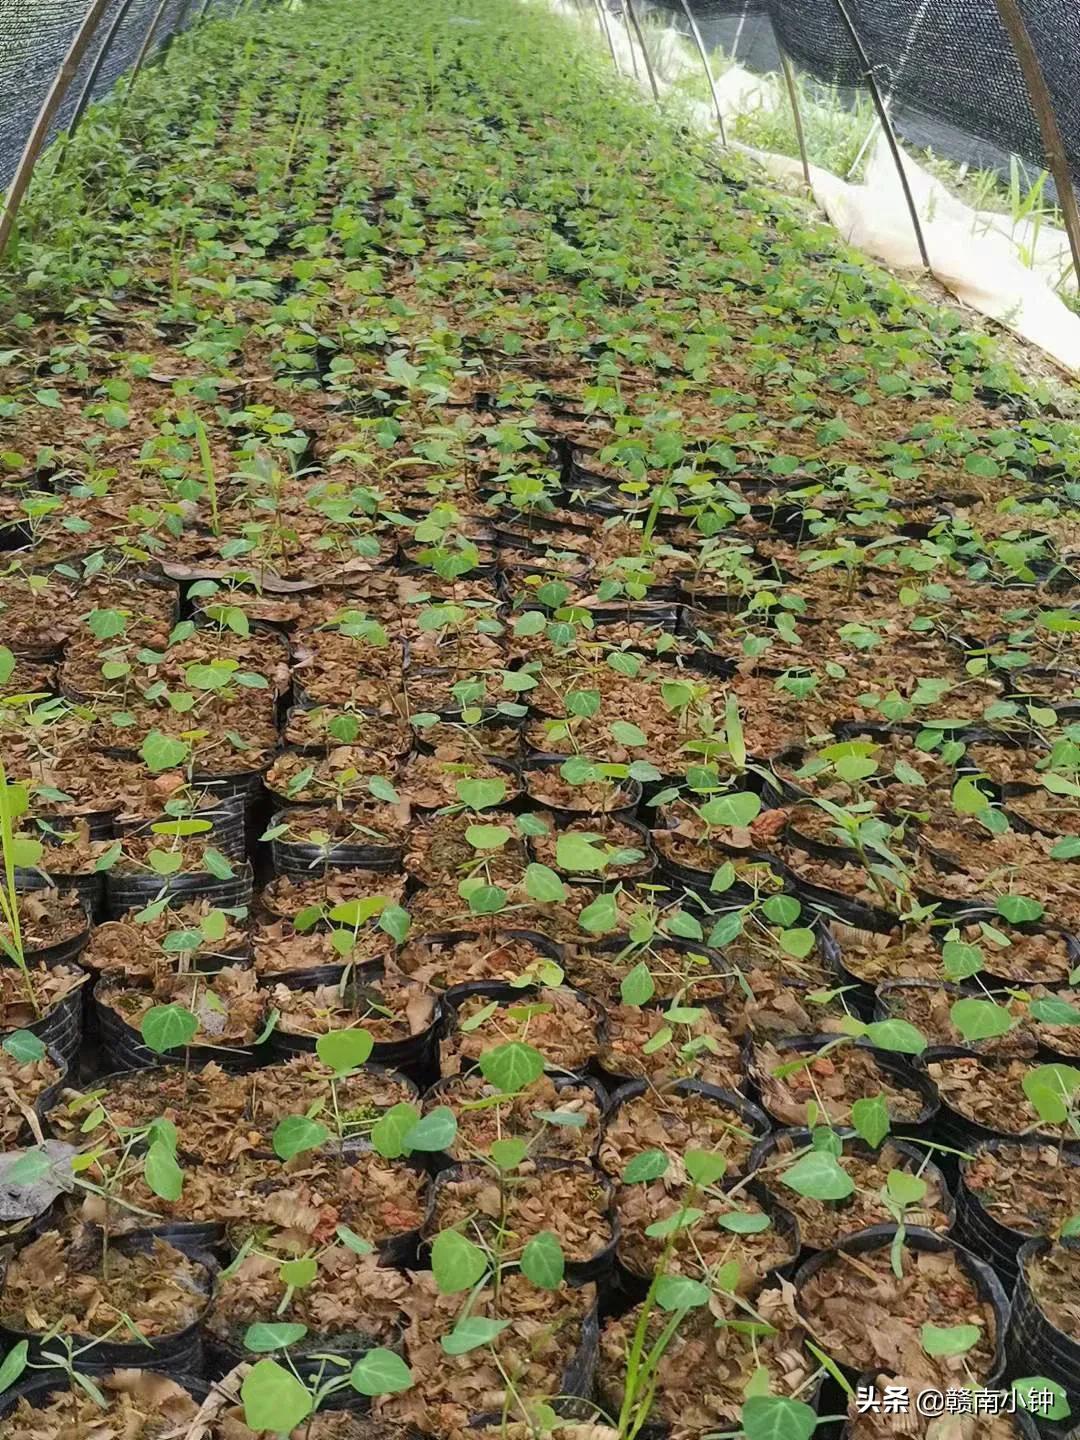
{"points": [[538, 700]]}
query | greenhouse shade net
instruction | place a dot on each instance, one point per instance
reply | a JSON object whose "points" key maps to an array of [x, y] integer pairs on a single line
{"points": [[35, 36], [950, 59]]}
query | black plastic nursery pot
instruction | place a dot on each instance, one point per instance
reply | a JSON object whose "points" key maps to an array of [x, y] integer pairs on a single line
{"points": [[449, 711], [46, 1385], [135, 892], [591, 1268], [65, 1017], [888, 992], [711, 662], [97, 824], [1036, 821], [509, 727], [976, 1225], [809, 844], [502, 995], [895, 1066], [629, 796], [329, 973], [995, 977], [487, 558], [227, 829], [911, 1159], [293, 724], [741, 892], [415, 1055], [586, 486], [62, 953], [445, 940], [122, 1047], [634, 1285], [90, 888], [528, 528], [614, 1070], [396, 1248], [832, 903], [1037, 1346], [865, 1000], [969, 908], [881, 1237], [302, 859], [698, 596], [316, 1358], [179, 1353], [195, 1238], [1054, 686], [532, 561], [607, 1396], [441, 1093], [650, 614], [640, 871], [956, 1130], [61, 1028], [239, 790], [351, 1146], [574, 1400], [756, 1122], [590, 495], [716, 971]]}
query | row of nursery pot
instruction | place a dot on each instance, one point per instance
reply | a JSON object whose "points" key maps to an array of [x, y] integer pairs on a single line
{"points": [[658, 1007], [521, 1233]]}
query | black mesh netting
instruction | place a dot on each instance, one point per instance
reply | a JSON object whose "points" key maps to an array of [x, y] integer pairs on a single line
{"points": [[35, 36], [948, 59]]}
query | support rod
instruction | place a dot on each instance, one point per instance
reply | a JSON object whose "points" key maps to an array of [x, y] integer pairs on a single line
{"points": [[1043, 105], [177, 29], [601, 14], [148, 40], [641, 41], [46, 115], [95, 69], [886, 125], [796, 111], [700, 43], [631, 46]]}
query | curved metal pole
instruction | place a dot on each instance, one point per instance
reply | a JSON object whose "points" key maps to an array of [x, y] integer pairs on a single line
{"points": [[1043, 105], [894, 83], [177, 28], [796, 110], [148, 40], [606, 28], [95, 69], [46, 115], [700, 43], [630, 46], [641, 41], [886, 125]]}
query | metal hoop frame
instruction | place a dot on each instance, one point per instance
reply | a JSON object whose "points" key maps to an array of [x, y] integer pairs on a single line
{"points": [[60, 87]]}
